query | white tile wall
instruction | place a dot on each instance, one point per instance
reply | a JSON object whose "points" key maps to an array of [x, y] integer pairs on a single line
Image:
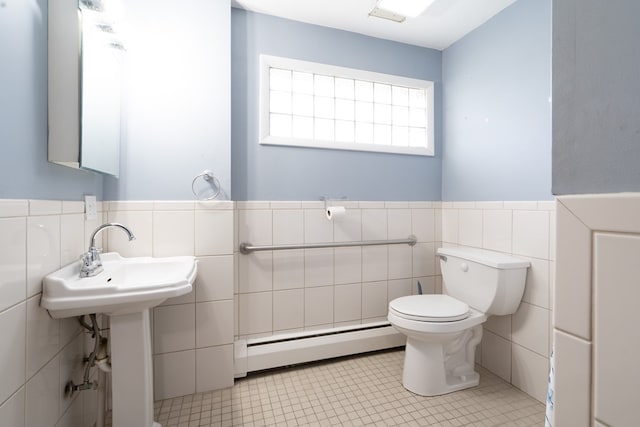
{"points": [[39, 354], [336, 286], [12, 410], [13, 261], [210, 368], [174, 374], [248, 296], [514, 347]]}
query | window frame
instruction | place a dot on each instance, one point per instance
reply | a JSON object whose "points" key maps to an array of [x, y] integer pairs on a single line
{"points": [[267, 62]]}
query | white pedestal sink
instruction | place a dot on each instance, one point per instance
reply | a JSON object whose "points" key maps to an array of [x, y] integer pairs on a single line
{"points": [[124, 291]]}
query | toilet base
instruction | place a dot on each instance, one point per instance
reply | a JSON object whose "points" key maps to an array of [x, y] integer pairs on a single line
{"points": [[434, 367]]}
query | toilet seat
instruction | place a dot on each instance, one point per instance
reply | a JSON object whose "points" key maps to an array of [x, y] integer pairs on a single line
{"points": [[429, 308]]}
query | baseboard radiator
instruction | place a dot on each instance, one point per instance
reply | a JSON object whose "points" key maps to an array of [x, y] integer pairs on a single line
{"points": [[289, 349]]}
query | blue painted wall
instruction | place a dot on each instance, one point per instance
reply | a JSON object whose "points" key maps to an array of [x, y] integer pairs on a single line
{"points": [[289, 173], [24, 170], [596, 102], [497, 110], [178, 93]]}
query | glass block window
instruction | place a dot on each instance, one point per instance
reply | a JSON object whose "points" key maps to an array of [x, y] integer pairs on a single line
{"points": [[317, 105]]}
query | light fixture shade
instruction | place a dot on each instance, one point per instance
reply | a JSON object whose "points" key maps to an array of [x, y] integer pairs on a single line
{"points": [[408, 8]]}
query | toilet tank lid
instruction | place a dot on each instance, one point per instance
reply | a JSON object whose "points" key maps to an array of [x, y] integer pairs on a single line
{"points": [[489, 258]]}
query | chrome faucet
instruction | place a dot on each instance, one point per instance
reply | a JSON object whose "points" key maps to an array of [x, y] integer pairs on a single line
{"points": [[91, 262]]}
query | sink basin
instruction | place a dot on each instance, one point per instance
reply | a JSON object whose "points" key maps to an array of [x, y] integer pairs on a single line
{"points": [[125, 291], [127, 285]]}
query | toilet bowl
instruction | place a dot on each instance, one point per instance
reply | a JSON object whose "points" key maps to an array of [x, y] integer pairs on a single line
{"points": [[443, 330]]}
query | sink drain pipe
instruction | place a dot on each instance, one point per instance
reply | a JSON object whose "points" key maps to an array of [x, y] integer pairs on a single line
{"points": [[99, 358]]}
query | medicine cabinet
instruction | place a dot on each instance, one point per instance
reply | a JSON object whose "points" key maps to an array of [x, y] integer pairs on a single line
{"points": [[85, 70]]}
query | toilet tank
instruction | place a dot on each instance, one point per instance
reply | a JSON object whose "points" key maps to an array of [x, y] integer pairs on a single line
{"points": [[490, 282]]}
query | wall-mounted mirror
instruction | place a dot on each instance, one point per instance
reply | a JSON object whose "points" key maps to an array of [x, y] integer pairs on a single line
{"points": [[85, 86]]}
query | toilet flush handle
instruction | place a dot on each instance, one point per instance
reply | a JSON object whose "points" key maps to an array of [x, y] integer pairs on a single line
{"points": [[464, 267]]}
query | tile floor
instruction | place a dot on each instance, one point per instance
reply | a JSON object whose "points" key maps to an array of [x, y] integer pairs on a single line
{"points": [[360, 390]]}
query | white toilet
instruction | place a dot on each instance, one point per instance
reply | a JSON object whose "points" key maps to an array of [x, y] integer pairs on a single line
{"points": [[443, 330]]}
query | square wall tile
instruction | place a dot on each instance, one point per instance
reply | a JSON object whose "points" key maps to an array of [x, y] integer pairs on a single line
{"points": [[215, 278], [214, 323], [90, 225], [288, 269], [450, 225], [12, 350], [174, 374], [173, 205], [317, 228], [470, 227], [255, 272], [214, 368], [73, 416], [616, 344], [349, 227], [496, 230], [188, 298], [374, 224], [423, 224], [45, 207], [12, 411], [398, 223], [572, 293], [437, 218], [428, 284], [552, 236], [530, 372], [73, 206], [43, 250], [213, 232], [374, 263], [496, 355], [43, 334], [318, 265], [141, 225], [43, 391], [72, 242], [398, 288], [174, 328], [400, 261], [173, 233], [69, 329], [255, 227], [374, 299], [536, 290], [71, 369], [424, 260], [288, 309], [288, 227], [531, 233], [347, 302], [13, 208], [499, 325], [13, 261], [348, 265], [318, 306], [255, 312], [530, 328], [285, 204], [573, 380]]}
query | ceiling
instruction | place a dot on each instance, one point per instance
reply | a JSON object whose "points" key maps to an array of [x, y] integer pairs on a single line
{"points": [[441, 25]]}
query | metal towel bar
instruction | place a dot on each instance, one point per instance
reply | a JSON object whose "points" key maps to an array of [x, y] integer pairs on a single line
{"points": [[247, 248]]}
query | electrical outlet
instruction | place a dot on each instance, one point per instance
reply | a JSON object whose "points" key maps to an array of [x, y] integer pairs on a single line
{"points": [[90, 207]]}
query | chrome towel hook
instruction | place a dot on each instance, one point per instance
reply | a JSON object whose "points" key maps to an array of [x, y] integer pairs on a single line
{"points": [[208, 176]]}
